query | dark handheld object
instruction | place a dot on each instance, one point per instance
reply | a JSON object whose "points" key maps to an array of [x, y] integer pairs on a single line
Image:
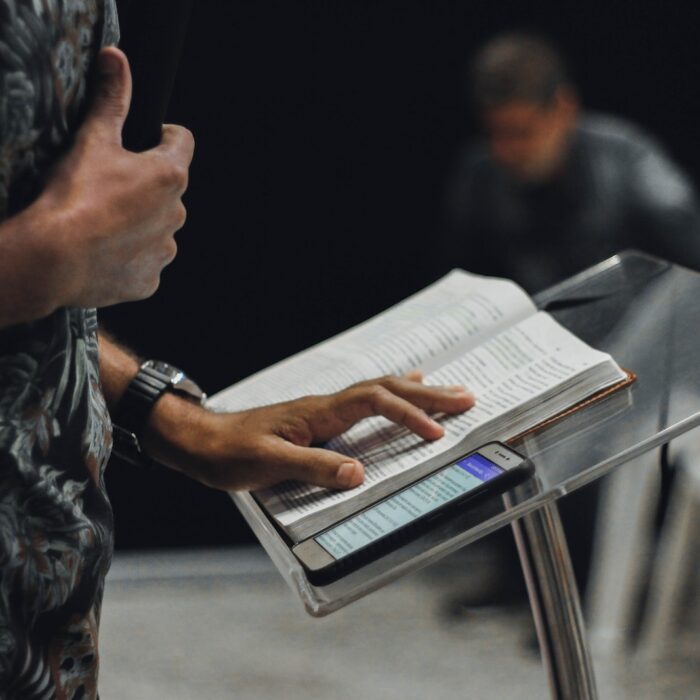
{"points": [[153, 34]]}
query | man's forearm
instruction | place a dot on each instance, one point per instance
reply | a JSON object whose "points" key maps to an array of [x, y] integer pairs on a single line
{"points": [[31, 285], [118, 366]]}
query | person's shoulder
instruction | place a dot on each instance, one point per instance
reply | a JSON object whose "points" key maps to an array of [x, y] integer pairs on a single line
{"points": [[472, 180], [474, 155], [472, 165], [616, 134], [638, 160]]}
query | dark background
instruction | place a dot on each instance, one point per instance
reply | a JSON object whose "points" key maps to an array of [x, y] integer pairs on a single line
{"points": [[325, 131]]}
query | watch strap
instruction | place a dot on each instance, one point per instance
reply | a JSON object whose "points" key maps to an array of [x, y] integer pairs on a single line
{"points": [[126, 446], [138, 399]]}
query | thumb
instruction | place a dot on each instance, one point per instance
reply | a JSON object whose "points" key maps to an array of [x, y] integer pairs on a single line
{"points": [[314, 465], [112, 96]]}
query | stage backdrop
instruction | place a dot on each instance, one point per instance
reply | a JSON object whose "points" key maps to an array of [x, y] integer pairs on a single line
{"points": [[325, 131]]}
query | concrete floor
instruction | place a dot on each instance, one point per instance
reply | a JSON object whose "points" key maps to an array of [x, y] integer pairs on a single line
{"points": [[222, 624]]}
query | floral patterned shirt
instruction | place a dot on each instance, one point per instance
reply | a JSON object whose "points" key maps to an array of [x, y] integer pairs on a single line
{"points": [[55, 432]]}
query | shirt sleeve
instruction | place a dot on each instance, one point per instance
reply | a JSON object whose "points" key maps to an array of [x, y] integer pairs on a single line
{"points": [[664, 207]]}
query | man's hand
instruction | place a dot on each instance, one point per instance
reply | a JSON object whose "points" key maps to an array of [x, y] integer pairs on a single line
{"points": [[115, 212], [263, 446], [102, 229]]}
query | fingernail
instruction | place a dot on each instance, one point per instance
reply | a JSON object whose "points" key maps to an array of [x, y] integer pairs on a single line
{"points": [[108, 63], [347, 474]]}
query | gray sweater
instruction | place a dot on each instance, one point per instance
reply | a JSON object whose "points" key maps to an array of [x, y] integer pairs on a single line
{"points": [[618, 190]]}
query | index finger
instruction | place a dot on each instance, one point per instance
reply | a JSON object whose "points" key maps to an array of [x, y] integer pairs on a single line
{"points": [[432, 399], [402, 401], [177, 143]]}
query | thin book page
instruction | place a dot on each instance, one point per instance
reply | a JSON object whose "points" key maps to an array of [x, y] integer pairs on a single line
{"points": [[423, 332], [527, 361]]}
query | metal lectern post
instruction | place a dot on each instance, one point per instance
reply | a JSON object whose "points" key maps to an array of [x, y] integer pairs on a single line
{"points": [[554, 600]]}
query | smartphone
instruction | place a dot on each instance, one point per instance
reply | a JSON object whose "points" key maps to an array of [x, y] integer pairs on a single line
{"points": [[383, 526]]}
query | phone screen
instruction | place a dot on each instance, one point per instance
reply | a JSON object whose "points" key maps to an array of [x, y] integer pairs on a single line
{"points": [[416, 501]]}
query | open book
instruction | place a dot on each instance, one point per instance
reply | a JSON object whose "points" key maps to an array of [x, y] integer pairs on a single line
{"points": [[524, 368]]}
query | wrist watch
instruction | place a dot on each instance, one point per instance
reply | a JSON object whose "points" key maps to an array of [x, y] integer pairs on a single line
{"points": [[153, 379]]}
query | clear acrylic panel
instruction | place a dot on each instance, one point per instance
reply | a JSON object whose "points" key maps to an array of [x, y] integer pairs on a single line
{"points": [[646, 313]]}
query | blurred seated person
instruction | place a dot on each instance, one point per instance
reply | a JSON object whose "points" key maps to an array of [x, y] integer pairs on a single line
{"points": [[551, 189]]}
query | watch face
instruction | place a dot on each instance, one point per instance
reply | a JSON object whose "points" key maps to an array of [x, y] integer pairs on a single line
{"points": [[180, 383], [173, 373]]}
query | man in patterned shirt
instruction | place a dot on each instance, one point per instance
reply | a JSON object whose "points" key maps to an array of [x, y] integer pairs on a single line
{"points": [[85, 224]]}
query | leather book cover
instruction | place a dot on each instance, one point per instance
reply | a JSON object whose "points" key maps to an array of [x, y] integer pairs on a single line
{"points": [[594, 398]]}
